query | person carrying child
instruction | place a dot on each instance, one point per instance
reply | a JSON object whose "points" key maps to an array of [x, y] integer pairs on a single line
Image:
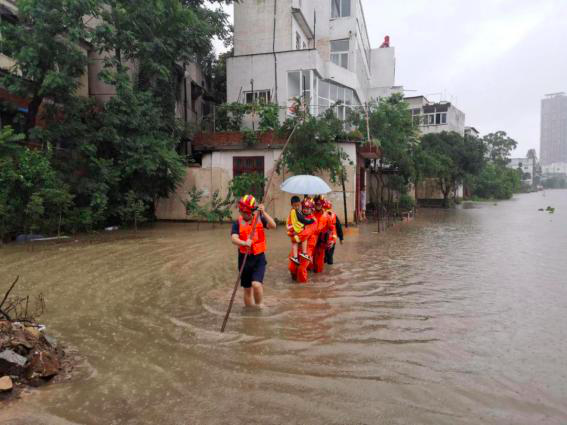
{"points": [[296, 230], [299, 273]]}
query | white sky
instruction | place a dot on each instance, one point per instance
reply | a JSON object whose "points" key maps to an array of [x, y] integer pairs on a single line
{"points": [[495, 59]]}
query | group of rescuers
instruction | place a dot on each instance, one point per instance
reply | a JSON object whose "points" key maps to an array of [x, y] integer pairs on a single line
{"points": [[312, 226]]}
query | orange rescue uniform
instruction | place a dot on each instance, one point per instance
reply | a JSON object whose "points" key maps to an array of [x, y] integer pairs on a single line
{"points": [[299, 272], [323, 229], [259, 240]]}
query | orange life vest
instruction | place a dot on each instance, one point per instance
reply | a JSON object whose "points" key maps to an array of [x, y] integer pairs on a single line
{"points": [[259, 240], [333, 223], [322, 221]]}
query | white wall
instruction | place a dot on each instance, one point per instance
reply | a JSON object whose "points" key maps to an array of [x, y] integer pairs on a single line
{"points": [[384, 67], [254, 20]]}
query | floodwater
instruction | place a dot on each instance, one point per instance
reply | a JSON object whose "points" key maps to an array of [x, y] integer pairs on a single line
{"points": [[457, 318]]}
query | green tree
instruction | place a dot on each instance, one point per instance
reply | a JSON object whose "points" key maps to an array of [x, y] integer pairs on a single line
{"points": [[313, 148], [30, 192], [245, 184], [499, 147], [161, 37], [450, 158], [44, 45], [392, 130], [496, 181], [133, 209]]}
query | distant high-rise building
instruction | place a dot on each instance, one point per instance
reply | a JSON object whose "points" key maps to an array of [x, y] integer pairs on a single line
{"points": [[553, 143]]}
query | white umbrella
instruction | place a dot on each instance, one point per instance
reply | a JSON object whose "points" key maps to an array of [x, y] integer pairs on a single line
{"points": [[305, 185]]}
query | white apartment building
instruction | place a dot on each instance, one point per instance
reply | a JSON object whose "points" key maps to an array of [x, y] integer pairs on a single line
{"points": [[315, 50], [433, 117]]}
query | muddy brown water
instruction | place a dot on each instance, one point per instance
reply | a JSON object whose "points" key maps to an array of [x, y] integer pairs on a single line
{"points": [[457, 318]]}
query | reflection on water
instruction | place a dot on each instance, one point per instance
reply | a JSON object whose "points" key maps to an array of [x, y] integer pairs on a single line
{"points": [[455, 318]]}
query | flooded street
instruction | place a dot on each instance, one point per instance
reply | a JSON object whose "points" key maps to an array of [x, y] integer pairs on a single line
{"points": [[457, 318]]}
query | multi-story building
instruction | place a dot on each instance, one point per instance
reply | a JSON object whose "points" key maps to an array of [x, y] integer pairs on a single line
{"points": [[433, 117], [314, 50], [553, 142]]}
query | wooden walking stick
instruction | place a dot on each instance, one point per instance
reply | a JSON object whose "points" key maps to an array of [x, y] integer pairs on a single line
{"points": [[254, 221]]}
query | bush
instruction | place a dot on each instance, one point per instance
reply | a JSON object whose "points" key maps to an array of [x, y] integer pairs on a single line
{"points": [[32, 196], [406, 203], [496, 182]]}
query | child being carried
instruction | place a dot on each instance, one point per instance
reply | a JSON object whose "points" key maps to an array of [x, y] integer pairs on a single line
{"points": [[296, 223]]}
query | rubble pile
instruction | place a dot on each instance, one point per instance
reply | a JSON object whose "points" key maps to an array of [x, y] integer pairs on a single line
{"points": [[28, 357]]}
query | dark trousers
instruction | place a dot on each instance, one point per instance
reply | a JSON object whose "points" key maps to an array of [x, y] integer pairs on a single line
{"points": [[329, 254]]}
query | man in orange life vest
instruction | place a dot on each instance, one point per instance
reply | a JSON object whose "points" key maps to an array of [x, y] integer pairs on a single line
{"points": [[323, 234], [299, 273], [252, 277]]}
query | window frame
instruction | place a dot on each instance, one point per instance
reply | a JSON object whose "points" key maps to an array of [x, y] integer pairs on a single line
{"points": [[338, 9], [341, 54], [248, 165], [257, 95]]}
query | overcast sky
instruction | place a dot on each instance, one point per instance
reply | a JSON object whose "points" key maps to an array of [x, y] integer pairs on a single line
{"points": [[495, 59]]}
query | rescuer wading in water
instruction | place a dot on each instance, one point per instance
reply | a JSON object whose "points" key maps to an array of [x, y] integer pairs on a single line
{"points": [[252, 277]]}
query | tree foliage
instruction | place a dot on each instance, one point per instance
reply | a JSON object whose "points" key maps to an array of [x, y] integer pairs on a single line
{"points": [[499, 147], [109, 163], [391, 129], [450, 158], [496, 182], [313, 148], [32, 196], [45, 46]]}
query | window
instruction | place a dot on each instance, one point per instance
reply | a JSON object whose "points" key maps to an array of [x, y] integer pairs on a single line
{"points": [[440, 118], [299, 87], [340, 8], [339, 52], [258, 96], [247, 165]]}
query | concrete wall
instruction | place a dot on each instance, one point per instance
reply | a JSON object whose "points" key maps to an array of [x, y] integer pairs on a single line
{"points": [[384, 66], [216, 174], [255, 22]]}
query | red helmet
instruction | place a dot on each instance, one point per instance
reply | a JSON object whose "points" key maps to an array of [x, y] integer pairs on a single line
{"points": [[247, 204], [307, 204]]}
